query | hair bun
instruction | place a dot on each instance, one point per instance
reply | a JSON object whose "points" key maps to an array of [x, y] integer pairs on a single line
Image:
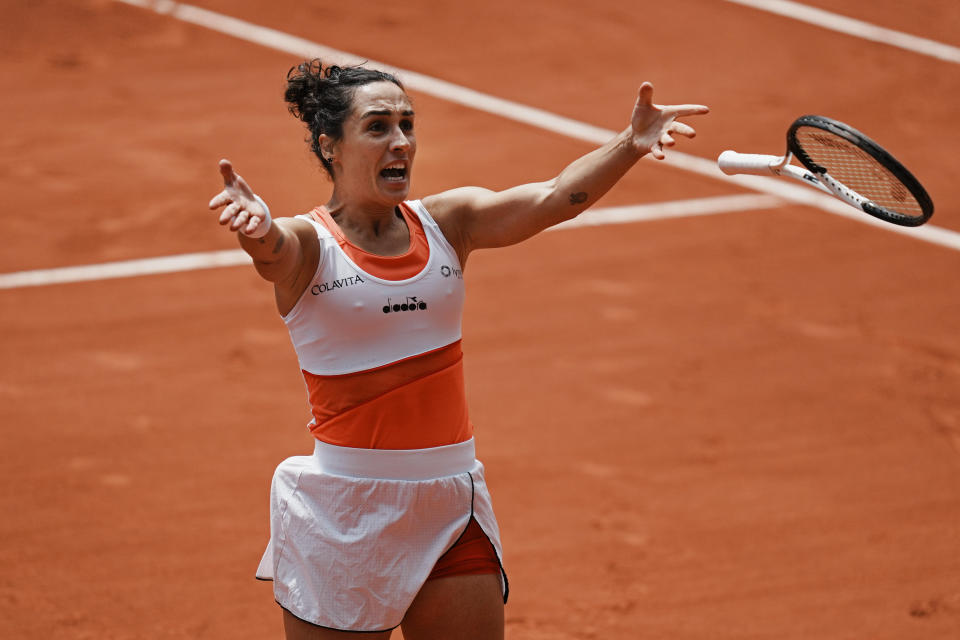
{"points": [[322, 97]]}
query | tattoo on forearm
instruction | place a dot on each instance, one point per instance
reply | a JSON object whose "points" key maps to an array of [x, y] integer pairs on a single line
{"points": [[276, 247], [578, 197]]}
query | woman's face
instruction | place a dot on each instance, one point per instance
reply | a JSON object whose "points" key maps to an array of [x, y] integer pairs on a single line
{"points": [[374, 158]]}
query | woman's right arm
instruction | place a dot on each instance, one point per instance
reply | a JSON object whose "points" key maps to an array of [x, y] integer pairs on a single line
{"points": [[284, 251]]}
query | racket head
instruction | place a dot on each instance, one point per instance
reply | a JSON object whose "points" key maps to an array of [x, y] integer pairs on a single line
{"points": [[893, 194]]}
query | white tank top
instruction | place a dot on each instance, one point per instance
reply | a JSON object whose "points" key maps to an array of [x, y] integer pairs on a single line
{"points": [[349, 320]]}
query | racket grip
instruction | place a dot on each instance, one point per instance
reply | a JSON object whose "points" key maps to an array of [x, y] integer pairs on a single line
{"points": [[732, 163]]}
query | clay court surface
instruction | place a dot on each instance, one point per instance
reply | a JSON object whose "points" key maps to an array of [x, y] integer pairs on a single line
{"points": [[744, 425]]}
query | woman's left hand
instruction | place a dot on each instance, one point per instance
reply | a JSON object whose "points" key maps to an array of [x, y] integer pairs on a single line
{"points": [[655, 125]]}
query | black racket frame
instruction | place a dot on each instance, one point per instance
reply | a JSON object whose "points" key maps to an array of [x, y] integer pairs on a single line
{"points": [[878, 153]]}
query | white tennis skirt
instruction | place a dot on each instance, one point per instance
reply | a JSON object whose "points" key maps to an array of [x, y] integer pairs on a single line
{"points": [[354, 533]]}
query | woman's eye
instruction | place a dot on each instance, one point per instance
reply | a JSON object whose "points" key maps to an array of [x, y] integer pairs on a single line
{"points": [[406, 125]]}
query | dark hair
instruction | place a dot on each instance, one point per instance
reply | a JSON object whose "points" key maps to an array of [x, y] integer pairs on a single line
{"points": [[323, 97]]}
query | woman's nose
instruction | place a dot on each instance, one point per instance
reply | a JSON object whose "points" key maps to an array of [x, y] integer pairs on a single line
{"points": [[400, 141]]}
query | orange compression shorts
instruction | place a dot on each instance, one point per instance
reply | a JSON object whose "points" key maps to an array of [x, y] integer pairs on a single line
{"points": [[471, 555]]}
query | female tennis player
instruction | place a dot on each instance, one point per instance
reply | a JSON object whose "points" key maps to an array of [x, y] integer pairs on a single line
{"points": [[389, 523]]}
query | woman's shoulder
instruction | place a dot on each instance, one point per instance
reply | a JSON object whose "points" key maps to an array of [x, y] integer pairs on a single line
{"points": [[451, 210], [307, 225], [454, 201]]}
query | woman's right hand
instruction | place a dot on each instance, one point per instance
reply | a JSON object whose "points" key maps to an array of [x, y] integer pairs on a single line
{"points": [[243, 211]]}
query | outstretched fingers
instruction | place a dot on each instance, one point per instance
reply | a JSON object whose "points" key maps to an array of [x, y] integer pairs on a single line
{"points": [[229, 175], [645, 99], [220, 199], [683, 129], [235, 198], [238, 218], [243, 210], [240, 221], [645, 95], [657, 124], [684, 110], [233, 182], [229, 212], [252, 224], [228, 195], [674, 127]]}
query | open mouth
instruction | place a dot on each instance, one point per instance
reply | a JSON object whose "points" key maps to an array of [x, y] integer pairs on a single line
{"points": [[395, 172]]}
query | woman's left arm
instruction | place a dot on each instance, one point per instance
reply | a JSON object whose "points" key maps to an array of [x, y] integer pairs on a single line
{"points": [[477, 218]]}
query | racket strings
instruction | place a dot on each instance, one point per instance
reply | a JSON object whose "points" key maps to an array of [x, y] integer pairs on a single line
{"points": [[857, 170]]}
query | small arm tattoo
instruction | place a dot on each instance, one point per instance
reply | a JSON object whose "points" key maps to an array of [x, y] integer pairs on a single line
{"points": [[276, 247], [579, 197]]}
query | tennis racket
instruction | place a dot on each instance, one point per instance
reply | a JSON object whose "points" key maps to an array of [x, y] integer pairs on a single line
{"points": [[846, 164]]}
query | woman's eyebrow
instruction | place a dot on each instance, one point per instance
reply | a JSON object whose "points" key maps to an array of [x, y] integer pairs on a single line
{"points": [[384, 112]]}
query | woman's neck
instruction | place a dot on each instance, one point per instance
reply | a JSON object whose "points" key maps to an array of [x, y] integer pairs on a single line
{"points": [[380, 230]]}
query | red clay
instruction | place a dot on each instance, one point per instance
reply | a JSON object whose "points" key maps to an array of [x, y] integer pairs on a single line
{"points": [[737, 426]]}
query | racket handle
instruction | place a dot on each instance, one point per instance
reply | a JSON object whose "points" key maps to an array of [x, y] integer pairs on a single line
{"points": [[732, 163]]}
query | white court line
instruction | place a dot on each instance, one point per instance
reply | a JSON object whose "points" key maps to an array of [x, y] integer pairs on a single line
{"points": [[124, 269], [273, 39], [234, 257], [665, 210], [857, 28]]}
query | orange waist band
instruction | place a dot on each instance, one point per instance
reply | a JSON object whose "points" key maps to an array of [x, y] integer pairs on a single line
{"points": [[413, 404]]}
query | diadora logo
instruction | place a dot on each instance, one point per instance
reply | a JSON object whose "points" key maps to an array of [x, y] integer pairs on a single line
{"points": [[447, 271], [411, 304], [323, 287]]}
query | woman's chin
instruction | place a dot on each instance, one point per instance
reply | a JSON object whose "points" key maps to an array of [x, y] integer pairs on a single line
{"points": [[395, 189]]}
